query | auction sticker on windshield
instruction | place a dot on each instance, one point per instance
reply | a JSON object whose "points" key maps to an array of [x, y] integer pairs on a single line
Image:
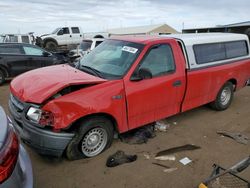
{"points": [[129, 49]]}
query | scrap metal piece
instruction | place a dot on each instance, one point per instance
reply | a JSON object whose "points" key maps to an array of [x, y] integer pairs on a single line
{"points": [[158, 164], [167, 169], [178, 149], [238, 137]]}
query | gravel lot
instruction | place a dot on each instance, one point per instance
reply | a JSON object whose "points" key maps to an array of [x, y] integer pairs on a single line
{"points": [[197, 126]]}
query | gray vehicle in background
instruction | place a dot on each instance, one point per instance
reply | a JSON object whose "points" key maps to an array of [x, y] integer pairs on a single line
{"points": [[15, 164]]}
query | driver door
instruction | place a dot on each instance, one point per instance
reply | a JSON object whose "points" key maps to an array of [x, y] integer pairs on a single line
{"points": [[63, 36], [152, 99]]}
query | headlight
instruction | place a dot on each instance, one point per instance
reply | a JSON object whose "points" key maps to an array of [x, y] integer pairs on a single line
{"points": [[43, 118], [34, 114]]}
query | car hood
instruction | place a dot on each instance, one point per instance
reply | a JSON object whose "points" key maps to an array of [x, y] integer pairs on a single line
{"points": [[38, 85], [4, 125]]}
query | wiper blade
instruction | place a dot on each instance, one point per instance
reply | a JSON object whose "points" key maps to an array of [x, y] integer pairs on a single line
{"points": [[91, 70]]}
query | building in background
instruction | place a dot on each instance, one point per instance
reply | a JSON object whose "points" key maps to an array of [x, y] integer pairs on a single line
{"points": [[242, 27], [159, 29]]}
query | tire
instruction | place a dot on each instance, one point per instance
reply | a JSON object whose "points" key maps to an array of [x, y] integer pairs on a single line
{"points": [[2, 77], [96, 131], [51, 46], [224, 97]]}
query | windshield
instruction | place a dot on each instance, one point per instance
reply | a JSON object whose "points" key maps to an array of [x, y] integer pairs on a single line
{"points": [[55, 31], [112, 58], [85, 45]]}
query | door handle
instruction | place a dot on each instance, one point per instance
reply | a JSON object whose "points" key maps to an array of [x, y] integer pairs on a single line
{"points": [[80, 35], [176, 83], [70, 35]]}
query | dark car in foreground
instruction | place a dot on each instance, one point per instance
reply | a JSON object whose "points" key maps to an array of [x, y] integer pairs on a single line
{"points": [[17, 58], [15, 164]]}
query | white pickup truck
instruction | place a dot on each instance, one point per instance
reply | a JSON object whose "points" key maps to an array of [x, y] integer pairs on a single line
{"points": [[62, 38]]}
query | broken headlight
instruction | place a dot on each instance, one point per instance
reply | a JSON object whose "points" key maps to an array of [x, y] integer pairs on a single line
{"points": [[41, 117]]}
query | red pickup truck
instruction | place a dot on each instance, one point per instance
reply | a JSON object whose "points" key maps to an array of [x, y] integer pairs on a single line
{"points": [[123, 84]]}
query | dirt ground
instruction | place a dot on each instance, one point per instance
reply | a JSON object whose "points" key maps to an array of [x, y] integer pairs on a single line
{"points": [[197, 126]]}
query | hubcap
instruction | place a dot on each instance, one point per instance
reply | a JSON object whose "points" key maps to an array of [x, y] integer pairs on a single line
{"points": [[225, 96], [94, 142]]}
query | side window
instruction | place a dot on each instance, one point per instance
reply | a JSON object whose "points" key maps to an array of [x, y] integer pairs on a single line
{"points": [[10, 49], [205, 53], [236, 49], [65, 30], [25, 39], [75, 30], [32, 51], [159, 60], [97, 43], [11, 39]]}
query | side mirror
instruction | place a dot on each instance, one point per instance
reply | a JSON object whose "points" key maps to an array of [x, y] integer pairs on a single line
{"points": [[141, 74], [46, 54], [60, 32]]}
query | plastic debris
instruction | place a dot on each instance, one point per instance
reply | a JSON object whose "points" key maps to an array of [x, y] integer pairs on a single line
{"points": [[119, 158], [166, 158], [169, 170], [186, 147], [166, 168], [238, 137], [185, 161], [138, 136], [147, 156], [161, 126]]}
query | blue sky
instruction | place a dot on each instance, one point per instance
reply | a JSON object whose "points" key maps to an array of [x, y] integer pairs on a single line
{"points": [[42, 16]]}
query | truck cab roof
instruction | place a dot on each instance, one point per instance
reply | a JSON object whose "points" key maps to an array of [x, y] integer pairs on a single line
{"points": [[188, 43], [188, 39]]}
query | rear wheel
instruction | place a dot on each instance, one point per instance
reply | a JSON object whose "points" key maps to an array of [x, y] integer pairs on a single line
{"points": [[92, 138], [2, 77], [224, 97]]}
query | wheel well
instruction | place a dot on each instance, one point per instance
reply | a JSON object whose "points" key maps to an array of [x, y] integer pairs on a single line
{"points": [[98, 36], [234, 82], [74, 126], [5, 71], [49, 39]]}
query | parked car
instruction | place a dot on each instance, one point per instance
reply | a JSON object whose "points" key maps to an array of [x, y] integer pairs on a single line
{"points": [[84, 48], [17, 58], [15, 164], [124, 84]]}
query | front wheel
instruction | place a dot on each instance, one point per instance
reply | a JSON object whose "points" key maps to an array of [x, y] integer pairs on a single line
{"points": [[51, 46], [224, 97], [92, 138]]}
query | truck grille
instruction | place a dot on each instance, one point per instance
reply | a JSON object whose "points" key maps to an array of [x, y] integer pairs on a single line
{"points": [[17, 104]]}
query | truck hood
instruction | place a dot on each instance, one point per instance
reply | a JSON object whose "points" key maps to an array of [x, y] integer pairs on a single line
{"points": [[38, 85]]}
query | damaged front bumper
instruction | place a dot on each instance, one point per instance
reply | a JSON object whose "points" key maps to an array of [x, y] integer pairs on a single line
{"points": [[41, 140]]}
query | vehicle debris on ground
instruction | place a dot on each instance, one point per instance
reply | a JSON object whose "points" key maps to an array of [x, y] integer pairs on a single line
{"points": [[223, 178], [170, 151], [119, 158], [161, 126], [238, 137], [185, 161], [139, 136]]}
